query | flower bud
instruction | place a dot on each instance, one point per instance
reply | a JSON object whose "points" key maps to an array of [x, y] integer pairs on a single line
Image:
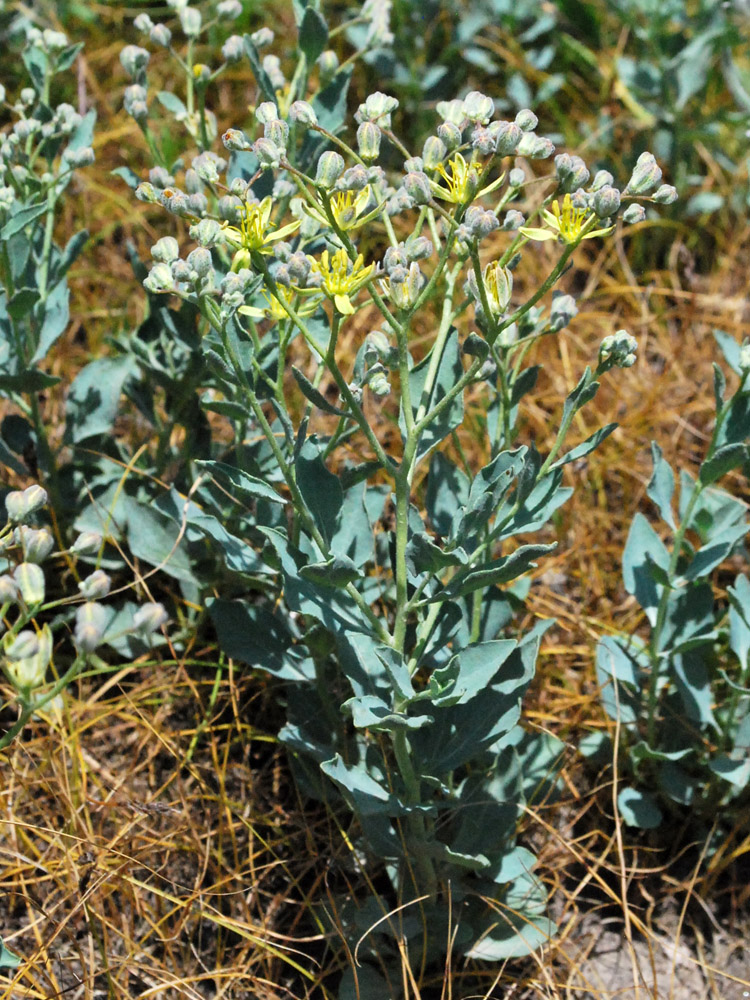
{"points": [[606, 202], [277, 131], [535, 147], [513, 220], [87, 543], [207, 232], [328, 63], [160, 35], [134, 60], [228, 10], [233, 49], [199, 261], [20, 504], [449, 134], [190, 20], [303, 113], [8, 589], [368, 141], [377, 108], [29, 580], [268, 153], [453, 111], [91, 624], [418, 248], [272, 66], [433, 152], [507, 136], [563, 310], [633, 214], [646, 175], [235, 139], [166, 249], [602, 178], [266, 112], [147, 192], [417, 186], [149, 617], [143, 23], [95, 586], [478, 108], [21, 646], [618, 350], [379, 384], [330, 167], [29, 672], [482, 141], [159, 279], [526, 120], [262, 38], [353, 179], [665, 195], [35, 543]]}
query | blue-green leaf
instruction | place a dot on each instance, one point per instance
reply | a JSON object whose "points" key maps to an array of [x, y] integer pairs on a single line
{"points": [[730, 349], [493, 573], [447, 492], [22, 218], [643, 549], [585, 447], [260, 638], [94, 396], [313, 34], [735, 771], [261, 77], [469, 672], [661, 485], [246, 487], [639, 809], [8, 958], [715, 551], [724, 460], [370, 712], [739, 620], [449, 371], [320, 489], [55, 316], [337, 571], [171, 102], [620, 662]]}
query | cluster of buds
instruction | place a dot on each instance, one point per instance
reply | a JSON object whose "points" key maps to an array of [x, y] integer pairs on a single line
{"points": [[617, 351], [194, 276]]}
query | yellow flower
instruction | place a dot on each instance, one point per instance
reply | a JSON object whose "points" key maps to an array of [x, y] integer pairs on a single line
{"points": [[346, 206], [256, 233], [566, 225], [461, 182], [275, 309], [341, 278]]}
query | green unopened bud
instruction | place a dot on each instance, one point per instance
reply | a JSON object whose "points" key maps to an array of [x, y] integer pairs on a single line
{"points": [[526, 120], [606, 202], [207, 232], [91, 624], [166, 250], [379, 384], [268, 153], [266, 112], [633, 214], [29, 672], [507, 136], [602, 178], [277, 131], [29, 578], [303, 113], [646, 175], [96, 585], [8, 589], [535, 147], [149, 617], [368, 141], [478, 107], [35, 543], [433, 152], [21, 646], [235, 140], [87, 543], [147, 192], [21, 504], [134, 60], [330, 168], [190, 19], [452, 111], [417, 186], [378, 107], [450, 134], [328, 64], [665, 195], [563, 310], [618, 350]]}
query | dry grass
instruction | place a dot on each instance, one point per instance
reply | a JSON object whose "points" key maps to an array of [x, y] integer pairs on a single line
{"points": [[151, 841]]}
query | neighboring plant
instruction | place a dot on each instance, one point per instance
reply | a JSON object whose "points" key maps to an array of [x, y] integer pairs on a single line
{"points": [[681, 695], [27, 646], [383, 591]]}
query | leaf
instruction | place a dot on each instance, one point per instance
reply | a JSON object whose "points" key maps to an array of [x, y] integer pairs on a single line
{"points": [[660, 487], [260, 638], [720, 384], [730, 349], [362, 983], [424, 556], [309, 391], [261, 77], [313, 35], [449, 371], [370, 712], [524, 384], [496, 572], [739, 620], [22, 218], [130, 177], [29, 381], [320, 489], [736, 772], [337, 571], [94, 396], [56, 313], [171, 102], [693, 683], [582, 394], [585, 447], [620, 663], [715, 551], [330, 103], [643, 549], [470, 671], [354, 537], [447, 492], [365, 794], [8, 958], [722, 461], [247, 488], [639, 809], [22, 302]]}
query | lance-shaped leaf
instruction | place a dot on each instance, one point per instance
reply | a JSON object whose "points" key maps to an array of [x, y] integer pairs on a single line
{"points": [[490, 574]]}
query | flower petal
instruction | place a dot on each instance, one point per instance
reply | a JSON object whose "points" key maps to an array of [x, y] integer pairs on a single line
{"points": [[599, 232], [537, 234], [343, 304]]}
